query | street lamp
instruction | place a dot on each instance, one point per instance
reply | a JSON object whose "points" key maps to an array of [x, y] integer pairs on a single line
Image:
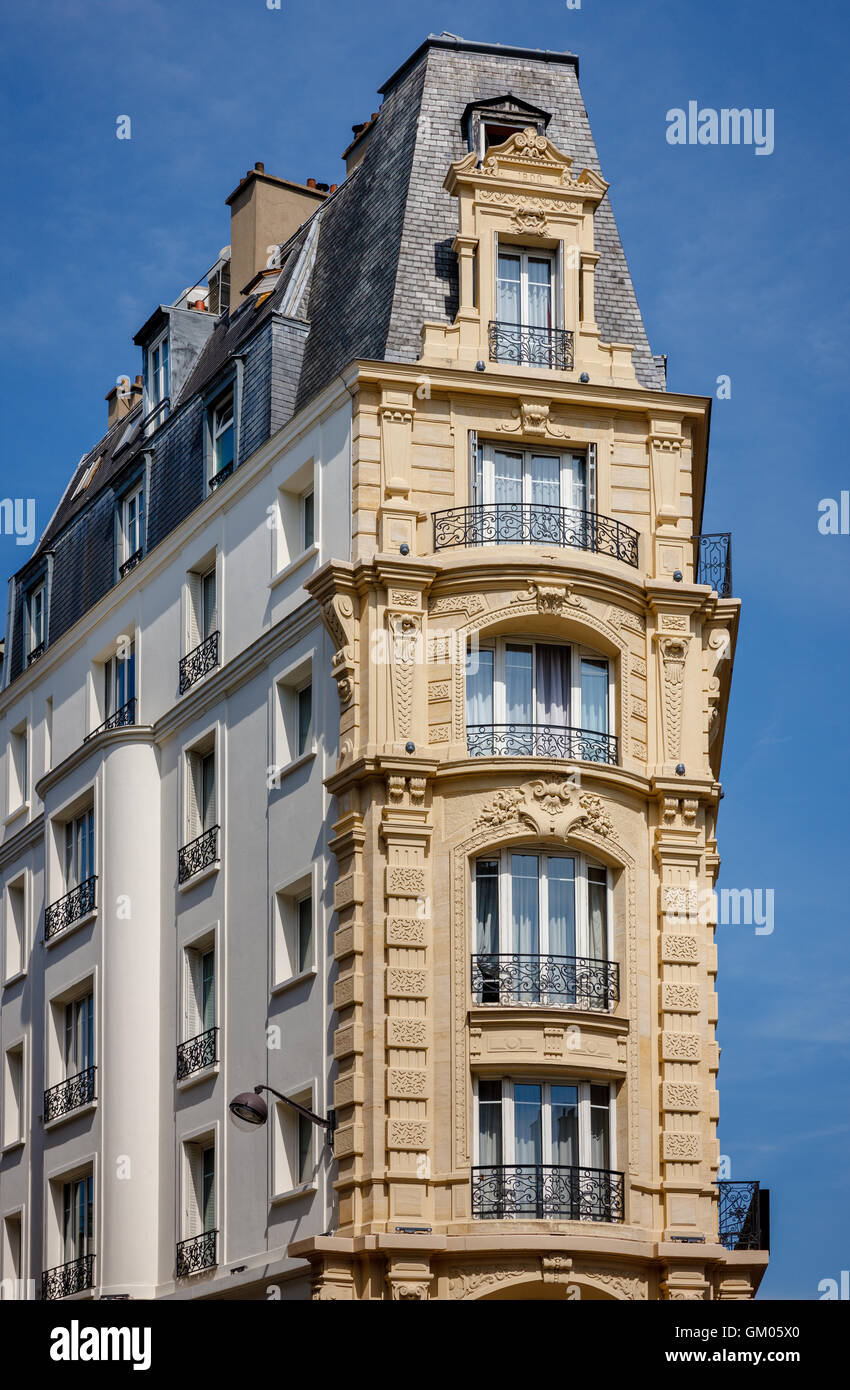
{"points": [[250, 1107]]}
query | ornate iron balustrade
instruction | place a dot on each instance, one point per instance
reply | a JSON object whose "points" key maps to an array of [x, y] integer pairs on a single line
{"points": [[218, 478], [198, 662], [538, 1192], [123, 716], [743, 1215], [540, 741], [130, 563], [713, 562], [198, 855], [35, 653], [73, 1277], [565, 981], [528, 346], [196, 1253], [197, 1053], [69, 1095], [76, 904], [535, 523]]}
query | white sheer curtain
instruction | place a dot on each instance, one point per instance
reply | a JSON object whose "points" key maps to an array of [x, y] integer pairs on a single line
{"points": [[479, 686], [528, 1124], [553, 685], [597, 913], [487, 906], [489, 1123], [599, 1125], [562, 910], [509, 289], [539, 293], [507, 477], [564, 1112], [525, 925], [594, 696], [545, 480]]}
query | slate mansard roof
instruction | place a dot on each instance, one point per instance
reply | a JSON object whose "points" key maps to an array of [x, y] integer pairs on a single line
{"points": [[357, 281]]}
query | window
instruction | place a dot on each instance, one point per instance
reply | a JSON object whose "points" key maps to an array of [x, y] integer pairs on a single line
{"points": [[78, 857], [222, 436], [13, 1096], [304, 698], [308, 526], [535, 480], [200, 990], [15, 950], [157, 374], [293, 930], [295, 532], [18, 766], [133, 526], [494, 131], [531, 905], [119, 683], [78, 1218], [293, 719], [36, 625], [200, 1204], [13, 1251], [524, 288], [200, 792], [550, 1124], [294, 1146], [78, 1036], [538, 699]]}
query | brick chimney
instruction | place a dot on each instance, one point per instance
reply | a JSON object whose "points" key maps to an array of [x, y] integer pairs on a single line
{"points": [[124, 397], [264, 212]]}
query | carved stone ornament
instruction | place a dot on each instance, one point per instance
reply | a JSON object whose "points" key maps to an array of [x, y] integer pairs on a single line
{"points": [[532, 418], [674, 653], [503, 807], [596, 818], [550, 598]]}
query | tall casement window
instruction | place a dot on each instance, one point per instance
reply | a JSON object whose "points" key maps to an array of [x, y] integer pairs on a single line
{"points": [[539, 699], [222, 438], [200, 792], [157, 379], [530, 482], [200, 1189], [119, 685], [541, 930], [78, 1218], [203, 639], [78, 1035], [132, 529], [78, 855], [200, 990], [527, 327], [308, 520], [36, 621]]}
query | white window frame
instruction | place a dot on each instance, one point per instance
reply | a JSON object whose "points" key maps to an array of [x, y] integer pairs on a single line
{"points": [[287, 969], [110, 682], [582, 863], [285, 716], [191, 1219], [286, 1181], [290, 545], [14, 1106], [39, 592], [19, 767], [157, 378], [222, 417], [9, 1275], [194, 952], [578, 653], [16, 928], [569, 488], [509, 1129], [526, 253], [135, 495], [193, 792], [69, 874]]}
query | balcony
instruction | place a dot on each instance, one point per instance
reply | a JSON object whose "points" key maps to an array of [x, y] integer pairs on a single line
{"points": [[197, 1053], [713, 562], [564, 982], [198, 662], [130, 563], [75, 905], [69, 1095], [198, 855], [527, 346], [535, 523], [196, 1253], [744, 1215], [123, 716], [73, 1277], [550, 741], [533, 1192]]}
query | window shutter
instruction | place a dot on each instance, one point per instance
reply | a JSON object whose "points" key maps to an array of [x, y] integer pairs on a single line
{"points": [[194, 612], [194, 1183], [475, 480], [194, 988], [591, 479], [210, 604], [560, 287], [193, 796]]}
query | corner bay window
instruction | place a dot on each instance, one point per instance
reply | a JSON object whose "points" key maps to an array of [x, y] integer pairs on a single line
{"points": [[538, 699]]}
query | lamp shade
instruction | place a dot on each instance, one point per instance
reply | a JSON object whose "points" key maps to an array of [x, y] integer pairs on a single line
{"points": [[249, 1107]]}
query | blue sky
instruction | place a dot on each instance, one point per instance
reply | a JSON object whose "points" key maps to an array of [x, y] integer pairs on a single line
{"points": [[740, 266]]}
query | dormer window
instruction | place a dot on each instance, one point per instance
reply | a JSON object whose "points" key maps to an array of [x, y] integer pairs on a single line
{"points": [[36, 621], [222, 438], [496, 119], [156, 382], [496, 132], [133, 527]]}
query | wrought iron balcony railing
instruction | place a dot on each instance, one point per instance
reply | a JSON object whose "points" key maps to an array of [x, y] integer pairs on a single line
{"points": [[130, 563], [540, 741], [198, 855], [538, 1192], [529, 346], [125, 715], [65, 911], [713, 562], [35, 653], [535, 523], [563, 981], [197, 1253], [69, 1095], [218, 478], [198, 662], [73, 1277], [744, 1215], [197, 1053]]}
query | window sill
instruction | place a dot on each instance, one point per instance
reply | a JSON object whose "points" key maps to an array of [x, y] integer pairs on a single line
{"points": [[294, 980], [305, 1190], [14, 978], [196, 1077], [309, 554], [71, 1115], [72, 927], [18, 811], [286, 768], [13, 1144], [199, 877]]}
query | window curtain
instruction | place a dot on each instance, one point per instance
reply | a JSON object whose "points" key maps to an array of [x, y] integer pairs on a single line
{"points": [[487, 907], [539, 293], [594, 696], [490, 1123], [564, 1111], [479, 687], [528, 1125], [553, 686], [509, 281], [524, 904], [599, 1112], [597, 913], [545, 480]]}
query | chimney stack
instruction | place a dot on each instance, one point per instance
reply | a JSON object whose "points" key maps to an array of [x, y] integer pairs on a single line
{"points": [[264, 212], [124, 397]]}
